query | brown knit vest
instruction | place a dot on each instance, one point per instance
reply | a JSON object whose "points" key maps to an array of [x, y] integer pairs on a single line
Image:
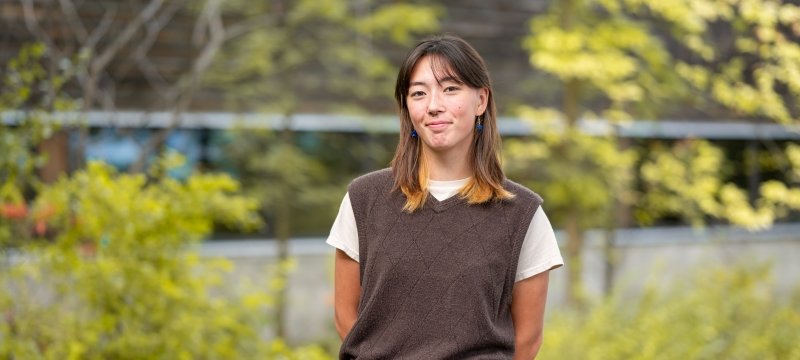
{"points": [[435, 284]]}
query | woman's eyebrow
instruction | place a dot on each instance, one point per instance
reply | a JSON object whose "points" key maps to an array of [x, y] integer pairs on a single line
{"points": [[438, 81]]}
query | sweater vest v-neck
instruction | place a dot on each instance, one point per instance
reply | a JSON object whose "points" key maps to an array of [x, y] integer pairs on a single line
{"points": [[435, 283]]}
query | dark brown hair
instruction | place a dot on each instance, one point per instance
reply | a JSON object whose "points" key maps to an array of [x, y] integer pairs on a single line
{"points": [[453, 57]]}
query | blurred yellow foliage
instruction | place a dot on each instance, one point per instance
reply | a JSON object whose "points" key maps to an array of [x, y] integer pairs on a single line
{"points": [[718, 313], [685, 180]]}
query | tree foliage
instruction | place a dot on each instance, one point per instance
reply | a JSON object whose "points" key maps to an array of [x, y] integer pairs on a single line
{"points": [[607, 64], [29, 97], [315, 48], [753, 72], [591, 194], [113, 273], [740, 54], [624, 59], [108, 267], [103, 265], [754, 69], [687, 180], [618, 66], [284, 175]]}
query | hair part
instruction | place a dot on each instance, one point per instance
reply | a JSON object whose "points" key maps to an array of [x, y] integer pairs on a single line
{"points": [[450, 57]]}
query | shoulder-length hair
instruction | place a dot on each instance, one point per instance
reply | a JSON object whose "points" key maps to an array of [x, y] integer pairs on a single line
{"points": [[453, 57]]}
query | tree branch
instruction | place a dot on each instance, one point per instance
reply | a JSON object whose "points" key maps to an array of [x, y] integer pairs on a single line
{"points": [[32, 23], [249, 25], [184, 90], [154, 28], [73, 20], [100, 30], [125, 36]]}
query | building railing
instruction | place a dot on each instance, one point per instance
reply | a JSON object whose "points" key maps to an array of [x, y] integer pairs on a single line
{"points": [[664, 129]]}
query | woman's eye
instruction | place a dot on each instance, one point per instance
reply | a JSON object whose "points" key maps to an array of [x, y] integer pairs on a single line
{"points": [[416, 94], [450, 88]]}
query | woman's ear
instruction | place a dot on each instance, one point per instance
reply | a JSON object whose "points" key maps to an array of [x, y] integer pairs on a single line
{"points": [[483, 101]]}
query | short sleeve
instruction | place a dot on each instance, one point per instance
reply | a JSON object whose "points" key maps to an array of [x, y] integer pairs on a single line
{"points": [[539, 251], [344, 234]]}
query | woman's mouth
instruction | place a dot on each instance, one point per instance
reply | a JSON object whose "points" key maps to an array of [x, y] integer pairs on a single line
{"points": [[437, 125]]}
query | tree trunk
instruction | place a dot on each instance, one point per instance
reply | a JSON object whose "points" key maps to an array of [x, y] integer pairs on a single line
{"points": [[609, 248], [575, 232], [753, 171], [283, 218], [618, 216], [282, 233], [57, 149], [575, 293]]}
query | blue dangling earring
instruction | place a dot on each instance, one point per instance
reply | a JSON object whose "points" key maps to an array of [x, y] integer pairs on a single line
{"points": [[413, 133], [478, 126]]}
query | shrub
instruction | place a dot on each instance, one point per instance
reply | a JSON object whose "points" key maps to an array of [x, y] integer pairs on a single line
{"points": [[111, 272], [717, 314]]}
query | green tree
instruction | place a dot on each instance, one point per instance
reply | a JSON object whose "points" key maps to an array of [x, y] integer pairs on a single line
{"points": [[614, 66], [745, 54], [104, 265], [752, 72], [30, 96], [311, 50], [614, 60]]}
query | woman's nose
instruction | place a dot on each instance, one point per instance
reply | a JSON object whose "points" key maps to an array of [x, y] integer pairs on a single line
{"points": [[435, 105]]}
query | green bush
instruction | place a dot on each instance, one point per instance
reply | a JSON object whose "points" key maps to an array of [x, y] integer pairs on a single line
{"points": [[111, 272], [717, 314]]}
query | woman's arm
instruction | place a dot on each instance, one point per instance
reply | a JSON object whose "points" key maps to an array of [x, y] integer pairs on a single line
{"points": [[527, 311], [346, 292]]}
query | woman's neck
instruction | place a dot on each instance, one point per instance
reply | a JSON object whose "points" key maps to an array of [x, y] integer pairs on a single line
{"points": [[447, 166]]}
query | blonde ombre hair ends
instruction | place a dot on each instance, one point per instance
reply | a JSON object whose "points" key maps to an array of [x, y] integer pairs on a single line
{"points": [[459, 60]]}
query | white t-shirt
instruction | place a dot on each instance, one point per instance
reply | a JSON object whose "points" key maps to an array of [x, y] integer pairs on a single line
{"points": [[539, 251]]}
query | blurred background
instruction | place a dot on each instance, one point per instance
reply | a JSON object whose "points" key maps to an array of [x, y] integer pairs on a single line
{"points": [[169, 169]]}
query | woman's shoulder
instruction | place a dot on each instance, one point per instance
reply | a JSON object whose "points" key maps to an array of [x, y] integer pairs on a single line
{"points": [[381, 175], [367, 189], [521, 192], [376, 179]]}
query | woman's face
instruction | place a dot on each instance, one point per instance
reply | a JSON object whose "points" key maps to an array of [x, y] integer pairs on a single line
{"points": [[443, 111]]}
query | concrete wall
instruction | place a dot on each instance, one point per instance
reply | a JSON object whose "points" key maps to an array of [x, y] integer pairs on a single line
{"points": [[665, 255], [655, 254]]}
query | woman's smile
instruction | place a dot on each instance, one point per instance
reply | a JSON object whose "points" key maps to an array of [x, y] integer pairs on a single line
{"points": [[438, 125]]}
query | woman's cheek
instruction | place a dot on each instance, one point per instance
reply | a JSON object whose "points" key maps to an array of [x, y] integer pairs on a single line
{"points": [[417, 115]]}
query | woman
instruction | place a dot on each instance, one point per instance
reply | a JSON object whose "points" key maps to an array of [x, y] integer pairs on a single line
{"points": [[441, 256]]}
